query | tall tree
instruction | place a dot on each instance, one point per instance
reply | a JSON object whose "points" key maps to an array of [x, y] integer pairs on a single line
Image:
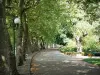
{"points": [[7, 59], [25, 36], [19, 52], [4, 43]]}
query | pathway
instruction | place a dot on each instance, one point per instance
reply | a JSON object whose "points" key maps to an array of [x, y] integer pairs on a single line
{"points": [[53, 62]]}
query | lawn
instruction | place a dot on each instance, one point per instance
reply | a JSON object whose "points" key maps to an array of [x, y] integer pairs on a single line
{"points": [[95, 61]]}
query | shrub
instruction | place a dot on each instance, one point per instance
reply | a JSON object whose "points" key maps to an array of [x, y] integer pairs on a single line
{"points": [[91, 49], [71, 47], [69, 50], [91, 45]]}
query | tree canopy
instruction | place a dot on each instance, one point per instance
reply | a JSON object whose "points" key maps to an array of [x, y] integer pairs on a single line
{"points": [[50, 21]]}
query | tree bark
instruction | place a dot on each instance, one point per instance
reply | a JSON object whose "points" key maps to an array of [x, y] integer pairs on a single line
{"points": [[25, 37], [78, 43], [42, 44], [4, 45], [34, 44], [7, 59], [19, 51]]}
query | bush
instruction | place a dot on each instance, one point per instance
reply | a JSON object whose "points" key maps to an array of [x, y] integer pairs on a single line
{"points": [[93, 49], [68, 49], [91, 45]]}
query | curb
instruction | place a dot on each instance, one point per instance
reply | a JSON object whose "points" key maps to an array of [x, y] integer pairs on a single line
{"points": [[34, 54]]}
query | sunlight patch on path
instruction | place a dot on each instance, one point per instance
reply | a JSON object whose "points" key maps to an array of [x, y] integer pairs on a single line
{"points": [[57, 63]]}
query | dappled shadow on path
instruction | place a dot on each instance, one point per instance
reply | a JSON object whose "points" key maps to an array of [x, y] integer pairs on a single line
{"points": [[53, 62]]}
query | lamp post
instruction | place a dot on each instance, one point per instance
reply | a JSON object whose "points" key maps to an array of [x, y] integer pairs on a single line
{"points": [[15, 25]]}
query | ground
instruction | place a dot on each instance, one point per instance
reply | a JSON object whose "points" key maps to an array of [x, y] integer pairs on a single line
{"points": [[53, 62]]}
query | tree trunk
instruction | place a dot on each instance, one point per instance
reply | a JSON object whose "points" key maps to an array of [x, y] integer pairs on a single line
{"points": [[19, 51], [7, 64], [42, 44], [78, 43], [4, 45], [7, 60], [25, 37], [36, 46], [34, 43]]}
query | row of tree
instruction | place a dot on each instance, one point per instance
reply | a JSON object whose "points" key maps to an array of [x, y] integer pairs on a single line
{"points": [[38, 24], [41, 22]]}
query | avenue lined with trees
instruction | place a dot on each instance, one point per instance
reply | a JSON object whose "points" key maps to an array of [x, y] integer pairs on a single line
{"points": [[27, 26]]}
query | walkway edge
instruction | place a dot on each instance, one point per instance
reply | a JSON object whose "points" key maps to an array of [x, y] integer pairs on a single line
{"points": [[34, 54]]}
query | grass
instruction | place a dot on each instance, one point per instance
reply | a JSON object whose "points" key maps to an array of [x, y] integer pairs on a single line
{"points": [[95, 61]]}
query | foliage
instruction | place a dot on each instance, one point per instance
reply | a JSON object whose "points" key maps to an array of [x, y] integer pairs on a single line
{"points": [[62, 20], [95, 61], [91, 7], [81, 27], [70, 47], [45, 18], [91, 44], [59, 40]]}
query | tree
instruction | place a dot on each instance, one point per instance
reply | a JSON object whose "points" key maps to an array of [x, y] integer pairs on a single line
{"points": [[7, 59], [4, 43], [44, 20]]}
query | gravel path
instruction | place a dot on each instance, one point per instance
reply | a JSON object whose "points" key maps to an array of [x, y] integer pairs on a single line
{"points": [[53, 62]]}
